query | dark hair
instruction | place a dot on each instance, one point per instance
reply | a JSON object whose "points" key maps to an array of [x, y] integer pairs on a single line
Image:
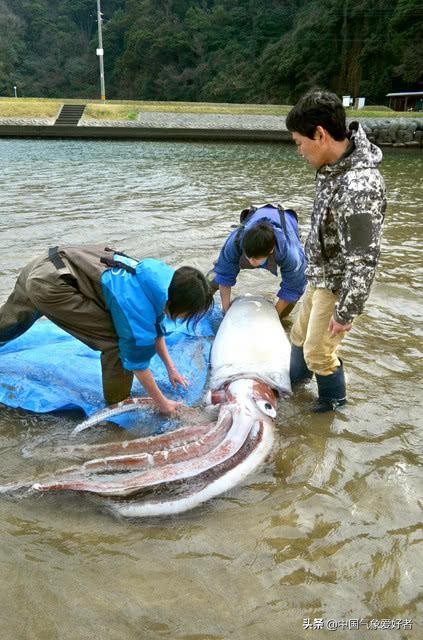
{"points": [[258, 240], [189, 293], [318, 108]]}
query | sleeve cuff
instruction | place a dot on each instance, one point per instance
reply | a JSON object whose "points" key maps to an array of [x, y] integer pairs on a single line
{"points": [[138, 358], [289, 296], [225, 281], [341, 320]]}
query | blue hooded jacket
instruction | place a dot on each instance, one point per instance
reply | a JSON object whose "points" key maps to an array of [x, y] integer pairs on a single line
{"points": [[288, 253], [136, 302]]}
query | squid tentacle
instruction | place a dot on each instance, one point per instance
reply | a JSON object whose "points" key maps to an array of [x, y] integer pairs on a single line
{"points": [[129, 404], [224, 477], [240, 426], [146, 444]]}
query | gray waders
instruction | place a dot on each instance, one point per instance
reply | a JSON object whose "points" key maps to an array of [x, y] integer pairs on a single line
{"points": [[64, 285]]}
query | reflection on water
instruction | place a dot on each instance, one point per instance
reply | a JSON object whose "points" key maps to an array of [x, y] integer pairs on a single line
{"points": [[329, 528]]}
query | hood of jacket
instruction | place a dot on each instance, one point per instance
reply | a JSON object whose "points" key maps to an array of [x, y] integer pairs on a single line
{"points": [[364, 155]]}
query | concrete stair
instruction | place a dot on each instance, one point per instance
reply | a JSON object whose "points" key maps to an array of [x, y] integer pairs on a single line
{"points": [[70, 114]]}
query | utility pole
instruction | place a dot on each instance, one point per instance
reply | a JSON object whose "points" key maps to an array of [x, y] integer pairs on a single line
{"points": [[100, 51]]}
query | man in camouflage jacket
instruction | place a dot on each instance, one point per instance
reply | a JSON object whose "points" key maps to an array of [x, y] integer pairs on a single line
{"points": [[343, 244]]}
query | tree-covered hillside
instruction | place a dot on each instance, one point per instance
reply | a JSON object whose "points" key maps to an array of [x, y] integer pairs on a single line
{"points": [[211, 50]]}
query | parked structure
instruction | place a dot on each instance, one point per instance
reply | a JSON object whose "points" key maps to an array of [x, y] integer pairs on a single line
{"points": [[406, 101]]}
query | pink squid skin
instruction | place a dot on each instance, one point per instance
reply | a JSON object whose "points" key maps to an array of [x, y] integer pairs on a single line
{"points": [[176, 451], [147, 444], [218, 396], [237, 416], [70, 480], [262, 391], [179, 454]]}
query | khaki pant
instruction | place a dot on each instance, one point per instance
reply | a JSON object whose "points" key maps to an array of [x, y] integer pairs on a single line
{"points": [[310, 330], [42, 289]]}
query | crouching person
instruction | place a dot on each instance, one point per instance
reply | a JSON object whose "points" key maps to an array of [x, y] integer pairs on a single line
{"points": [[267, 238], [112, 303]]}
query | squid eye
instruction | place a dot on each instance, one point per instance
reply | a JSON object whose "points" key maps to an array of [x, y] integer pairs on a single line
{"points": [[266, 408]]}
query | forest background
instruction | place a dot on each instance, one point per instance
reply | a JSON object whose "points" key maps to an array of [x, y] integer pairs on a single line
{"points": [[261, 51]]}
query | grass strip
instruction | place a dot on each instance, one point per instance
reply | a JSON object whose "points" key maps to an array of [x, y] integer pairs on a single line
{"points": [[129, 109]]}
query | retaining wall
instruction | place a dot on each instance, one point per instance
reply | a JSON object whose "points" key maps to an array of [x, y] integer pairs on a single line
{"points": [[396, 132]]}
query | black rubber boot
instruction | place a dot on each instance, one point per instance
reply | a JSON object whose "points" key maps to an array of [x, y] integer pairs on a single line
{"points": [[298, 370], [332, 393]]}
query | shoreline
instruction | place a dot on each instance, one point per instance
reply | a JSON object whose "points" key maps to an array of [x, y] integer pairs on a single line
{"points": [[394, 132]]}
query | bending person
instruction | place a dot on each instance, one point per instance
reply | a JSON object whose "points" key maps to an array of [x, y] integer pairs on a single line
{"points": [[267, 238], [113, 304]]}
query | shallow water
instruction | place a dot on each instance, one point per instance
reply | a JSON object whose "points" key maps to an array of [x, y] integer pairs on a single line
{"points": [[329, 528]]}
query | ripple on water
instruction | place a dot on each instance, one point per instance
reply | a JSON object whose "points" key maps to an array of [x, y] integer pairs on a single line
{"points": [[329, 528]]}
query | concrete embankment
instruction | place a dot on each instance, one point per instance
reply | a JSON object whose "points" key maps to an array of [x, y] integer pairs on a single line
{"points": [[398, 132]]}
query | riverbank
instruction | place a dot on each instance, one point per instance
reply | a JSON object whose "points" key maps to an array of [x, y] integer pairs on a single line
{"points": [[185, 121], [387, 131]]}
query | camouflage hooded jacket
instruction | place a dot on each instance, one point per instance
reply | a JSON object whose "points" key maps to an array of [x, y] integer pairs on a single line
{"points": [[343, 244]]}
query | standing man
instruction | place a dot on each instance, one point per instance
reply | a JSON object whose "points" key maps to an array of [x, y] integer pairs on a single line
{"points": [[267, 238], [343, 245]]}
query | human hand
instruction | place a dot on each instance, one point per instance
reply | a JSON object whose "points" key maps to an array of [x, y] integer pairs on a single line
{"points": [[169, 407], [281, 306], [176, 378], [226, 307], [335, 327]]}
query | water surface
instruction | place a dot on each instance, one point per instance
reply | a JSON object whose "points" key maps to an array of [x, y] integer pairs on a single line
{"points": [[329, 528]]}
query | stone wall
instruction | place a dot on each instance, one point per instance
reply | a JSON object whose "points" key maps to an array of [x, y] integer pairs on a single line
{"points": [[394, 132]]}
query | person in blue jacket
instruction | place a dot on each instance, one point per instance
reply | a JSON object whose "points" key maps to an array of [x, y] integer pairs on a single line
{"points": [[114, 304], [267, 238]]}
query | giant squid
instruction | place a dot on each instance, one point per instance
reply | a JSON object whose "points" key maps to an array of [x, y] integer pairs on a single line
{"points": [[176, 471]]}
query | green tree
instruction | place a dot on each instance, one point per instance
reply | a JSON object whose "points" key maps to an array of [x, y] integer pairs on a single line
{"points": [[226, 50], [406, 34], [11, 49]]}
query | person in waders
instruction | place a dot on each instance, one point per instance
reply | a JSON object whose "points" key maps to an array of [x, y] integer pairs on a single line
{"points": [[112, 303]]}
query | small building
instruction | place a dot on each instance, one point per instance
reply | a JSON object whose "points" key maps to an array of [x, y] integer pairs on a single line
{"points": [[406, 101]]}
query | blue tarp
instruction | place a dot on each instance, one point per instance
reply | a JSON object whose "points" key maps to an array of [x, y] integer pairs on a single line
{"points": [[47, 370]]}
